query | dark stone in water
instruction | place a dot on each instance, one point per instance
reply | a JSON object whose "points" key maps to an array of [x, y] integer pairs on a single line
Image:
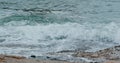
{"points": [[33, 56], [47, 57]]}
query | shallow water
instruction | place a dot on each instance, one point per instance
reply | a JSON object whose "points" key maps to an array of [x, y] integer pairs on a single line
{"points": [[41, 26]]}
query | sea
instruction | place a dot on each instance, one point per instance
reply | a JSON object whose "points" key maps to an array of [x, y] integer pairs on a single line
{"points": [[39, 27]]}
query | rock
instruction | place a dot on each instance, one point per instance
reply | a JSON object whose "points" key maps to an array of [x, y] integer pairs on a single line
{"points": [[107, 54], [33, 56]]}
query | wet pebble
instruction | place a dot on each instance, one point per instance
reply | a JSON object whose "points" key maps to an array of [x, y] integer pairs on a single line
{"points": [[33, 56]]}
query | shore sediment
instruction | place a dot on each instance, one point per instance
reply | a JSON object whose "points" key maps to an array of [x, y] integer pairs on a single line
{"points": [[18, 59], [109, 55]]}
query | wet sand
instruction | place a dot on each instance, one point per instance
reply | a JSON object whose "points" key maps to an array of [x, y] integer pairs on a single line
{"points": [[17, 59]]}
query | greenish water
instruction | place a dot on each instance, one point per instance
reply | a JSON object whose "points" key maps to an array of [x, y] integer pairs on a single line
{"points": [[42, 26]]}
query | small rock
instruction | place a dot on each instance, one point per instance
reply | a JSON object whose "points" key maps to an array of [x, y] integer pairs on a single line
{"points": [[33, 56]]}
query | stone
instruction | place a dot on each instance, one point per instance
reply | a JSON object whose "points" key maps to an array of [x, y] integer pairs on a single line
{"points": [[33, 56]]}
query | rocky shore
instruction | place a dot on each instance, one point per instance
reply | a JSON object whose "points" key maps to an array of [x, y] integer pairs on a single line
{"points": [[17, 59], [109, 55]]}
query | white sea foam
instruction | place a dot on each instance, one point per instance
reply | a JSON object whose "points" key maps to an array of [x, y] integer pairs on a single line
{"points": [[57, 37], [28, 27]]}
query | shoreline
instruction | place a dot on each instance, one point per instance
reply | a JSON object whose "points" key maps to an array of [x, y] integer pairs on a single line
{"points": [[108, 55], [18, 59]]}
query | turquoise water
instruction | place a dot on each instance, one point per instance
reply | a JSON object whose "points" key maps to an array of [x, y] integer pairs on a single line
{"points": [[42, 26]]}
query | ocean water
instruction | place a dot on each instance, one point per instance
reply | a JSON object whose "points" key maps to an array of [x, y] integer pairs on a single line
{"points": [[37, 27]]}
